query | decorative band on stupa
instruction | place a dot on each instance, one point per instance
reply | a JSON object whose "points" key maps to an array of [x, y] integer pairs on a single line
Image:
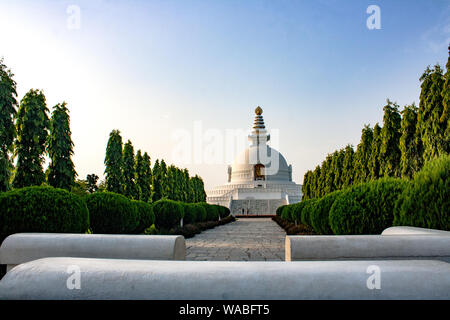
{"points": [[259, 120]]}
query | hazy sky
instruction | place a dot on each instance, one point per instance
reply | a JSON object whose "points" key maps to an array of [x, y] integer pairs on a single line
{"points": [[156, 69]]}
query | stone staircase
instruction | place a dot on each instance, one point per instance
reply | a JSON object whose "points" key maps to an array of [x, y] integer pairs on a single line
{"points": [[256, 207]]}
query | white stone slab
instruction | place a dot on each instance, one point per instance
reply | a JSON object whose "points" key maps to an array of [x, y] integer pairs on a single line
{"points": [[23, 247], [360, 247], [404, 230], [203, 280]]}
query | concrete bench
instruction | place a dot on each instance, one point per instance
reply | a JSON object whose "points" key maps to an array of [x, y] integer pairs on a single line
{"points": [[398, 231], [367, 247], [23, 247], [82, 278]]}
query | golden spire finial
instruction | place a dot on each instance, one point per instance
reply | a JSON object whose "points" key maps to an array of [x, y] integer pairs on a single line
{"points": [[258, 111]]}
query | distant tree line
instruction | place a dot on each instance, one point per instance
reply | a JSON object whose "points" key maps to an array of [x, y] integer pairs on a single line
{"points": [[29, 133], [407, 140], [131, 174]]}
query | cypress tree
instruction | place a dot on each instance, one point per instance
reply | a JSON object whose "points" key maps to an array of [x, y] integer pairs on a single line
{"points": [[410, 143], [390, 139], [8, 104], [156, 182], [61, 171], [338, 162], [306, 188], [163, 178], [32, 131], [113, 163], [329, 175], [374, 160], [315, 183], [445, 117], [128, 171], [348, 172], [362, 155], [431, 110], [146, 186]]}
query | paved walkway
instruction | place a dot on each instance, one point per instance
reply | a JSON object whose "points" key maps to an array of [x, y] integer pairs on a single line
{"points": [[247, 239]]}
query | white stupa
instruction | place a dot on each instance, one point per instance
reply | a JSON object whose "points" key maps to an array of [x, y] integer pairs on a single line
{"points": [[260, 180]]}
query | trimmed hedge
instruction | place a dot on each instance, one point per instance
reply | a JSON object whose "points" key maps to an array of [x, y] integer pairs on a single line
{"points": [[190, 213], [145, 215], [319, 216], [307, 210], [42, 209], [212, 214], [112, 213], [201, 212], [286, 213], [280, 210], [168, 213], [296, 212], [366, 208], [425, 202]]}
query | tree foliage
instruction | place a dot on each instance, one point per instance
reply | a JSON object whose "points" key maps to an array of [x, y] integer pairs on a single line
{"points": [[61, 171], [113, 162], [128, 172], [8, 104], [32, 130]]}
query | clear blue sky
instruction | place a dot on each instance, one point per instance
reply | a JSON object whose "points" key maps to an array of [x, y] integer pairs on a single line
{"points": [[150, 68]]}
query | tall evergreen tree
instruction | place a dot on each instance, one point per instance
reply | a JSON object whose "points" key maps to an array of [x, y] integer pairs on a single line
{"points": [[163, 178], [32, 131], [187, 188], [338, 163], [431, 109], [390, 140], [348, 172], [374, 160], [157, 192], [198, 189], [146, 186], [362, 155], [8, 104], [445, 117], [128, 171], [113, 163], [329, 175], [61, 171], [306, 188], [315, 185], [410, 143]]}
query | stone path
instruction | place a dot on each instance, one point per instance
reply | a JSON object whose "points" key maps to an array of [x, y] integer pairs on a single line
{"points": [[247, 239]]}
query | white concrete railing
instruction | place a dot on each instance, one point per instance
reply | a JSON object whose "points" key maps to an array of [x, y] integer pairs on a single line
{"points": [[81, 278], [23, 247], [365, 247], [404, 230]]}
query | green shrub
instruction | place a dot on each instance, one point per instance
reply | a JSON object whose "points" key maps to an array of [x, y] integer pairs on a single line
{"points": [[296, 212], [212, 213], [319, 216], [168, 213], [201, 212], [366, 208], [280, 210], [145, 215], [190, 213], [223, 211], [286, 213], [42, 209], [112, 213], [425, 202], [306, 211]]}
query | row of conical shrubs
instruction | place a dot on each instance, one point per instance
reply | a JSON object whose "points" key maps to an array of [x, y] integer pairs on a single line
{"points": [[47, 209], [370, 207]]}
